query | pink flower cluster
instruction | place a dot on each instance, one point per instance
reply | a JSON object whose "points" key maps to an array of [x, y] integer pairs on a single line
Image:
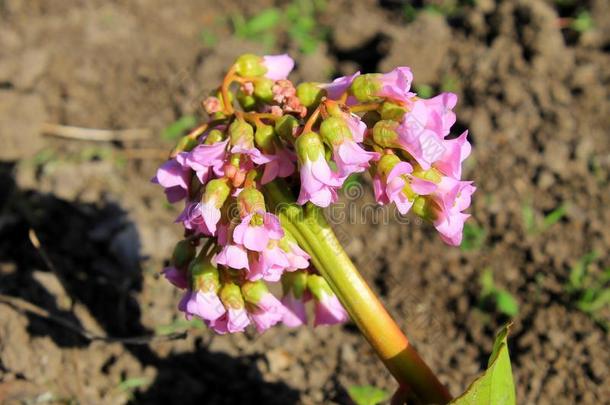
{"points": [[313, 136]]}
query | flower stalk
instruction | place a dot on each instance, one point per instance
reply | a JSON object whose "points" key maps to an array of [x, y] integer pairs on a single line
{"points": [[308, 225]]}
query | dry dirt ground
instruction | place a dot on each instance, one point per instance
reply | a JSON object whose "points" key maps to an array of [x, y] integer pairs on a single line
{"points": [[535, 97]]}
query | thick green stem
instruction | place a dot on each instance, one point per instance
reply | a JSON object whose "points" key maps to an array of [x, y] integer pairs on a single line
{"points": [[318, 239]]}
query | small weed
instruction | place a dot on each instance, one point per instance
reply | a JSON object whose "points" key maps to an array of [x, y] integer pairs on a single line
{"points": [[589, 292], [297, 20], [532, 222], [500, 298]]}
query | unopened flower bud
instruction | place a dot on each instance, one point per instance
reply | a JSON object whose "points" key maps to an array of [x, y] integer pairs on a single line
{"points": [[334, 130], [263, 89], [204, 275], [250, 200], [212, 105], [249, 65], [247, 101], [242, 134], [183, 253], [386, 164], [264, 136], [286, 127], [384, 133], [310, 94], [186, 144], [253, 291], [216, 190], [425, 208], [309, 147], [392, 111], [213, 136], [230, 295], [431, 174], [366, 87]]}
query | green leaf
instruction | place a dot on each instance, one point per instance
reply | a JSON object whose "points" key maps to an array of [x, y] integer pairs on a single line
{"points": [[495, 386], [506, 303], [178, 127], [367, 394]]}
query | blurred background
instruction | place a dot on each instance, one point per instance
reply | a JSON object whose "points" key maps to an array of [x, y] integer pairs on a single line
{"points": [[94, 93]]}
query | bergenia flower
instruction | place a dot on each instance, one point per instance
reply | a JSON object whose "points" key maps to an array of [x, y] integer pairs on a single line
{"points": [[444, 208], [174, 176], [264, 309], [297, 257], [236, 317], [327, 308], [202, 299], [280, 164], [318, 182], [394, 85], [394, 182], [440, 113], [342, 136], [256, 230], [204, 216], [206, 159], [270, 263], [313, 135], [294, 286], [455, 152]]}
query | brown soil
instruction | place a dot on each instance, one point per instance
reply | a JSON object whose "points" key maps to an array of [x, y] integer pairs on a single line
{"points": [[535, 97]]}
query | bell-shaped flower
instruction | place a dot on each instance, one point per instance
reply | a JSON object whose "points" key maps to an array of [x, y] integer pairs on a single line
{"points": [[342, 136], [456, 151], [394, 85], [208, 159], [327, 308], [297, 257], [394, 182], [444, 208], [256, 230], [174, 176], [269, 264], [235, 318], [264, 308], [201, 299], [204, 216], [294, 286], [318, 182]]}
